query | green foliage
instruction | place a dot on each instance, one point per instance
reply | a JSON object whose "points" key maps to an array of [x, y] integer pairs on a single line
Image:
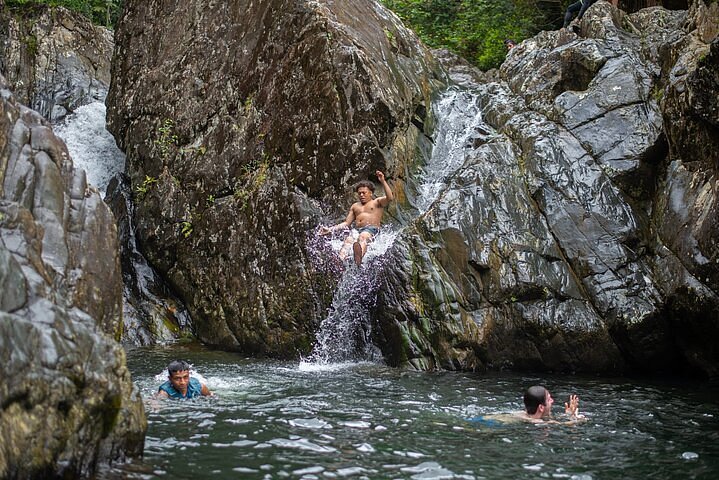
{"points": [[166, 138], [101, 12], [254, 175], [474, 29], [186, 229], [145, 186]]}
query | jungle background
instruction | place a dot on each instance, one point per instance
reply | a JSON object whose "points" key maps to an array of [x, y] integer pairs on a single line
{"points": [[474, 29]]}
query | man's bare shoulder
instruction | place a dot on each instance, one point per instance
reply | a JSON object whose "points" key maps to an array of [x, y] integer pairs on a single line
{"points": [[495, 419]]}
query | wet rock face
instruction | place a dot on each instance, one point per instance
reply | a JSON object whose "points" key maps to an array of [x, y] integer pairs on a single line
{"points": [[67, 401], [54, 60], [581, 234], [240, 120]]}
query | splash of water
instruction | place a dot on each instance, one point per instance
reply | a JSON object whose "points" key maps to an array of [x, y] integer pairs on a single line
{"points": [[345, 335], [91, 146]]}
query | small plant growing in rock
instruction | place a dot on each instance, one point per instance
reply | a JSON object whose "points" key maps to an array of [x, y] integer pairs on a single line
{"points": [[242, 196], [166, 139], [657, 93], [145, 186], [210, 200], [186, 228]]}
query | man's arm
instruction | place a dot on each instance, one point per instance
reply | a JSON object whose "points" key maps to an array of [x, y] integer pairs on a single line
{"points": [[161, 394], [206, 391], [388, 195], [346, 224]]}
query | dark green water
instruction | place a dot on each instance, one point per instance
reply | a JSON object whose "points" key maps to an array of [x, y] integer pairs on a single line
{"points": [[275, 420]]}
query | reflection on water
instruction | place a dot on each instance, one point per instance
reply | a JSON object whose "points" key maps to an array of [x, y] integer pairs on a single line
{"points": [[273, 420]]}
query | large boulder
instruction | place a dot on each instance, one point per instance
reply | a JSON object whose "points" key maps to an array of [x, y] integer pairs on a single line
{"points": [[581, 231], [241, 121], [54, 60], [67, 402]]}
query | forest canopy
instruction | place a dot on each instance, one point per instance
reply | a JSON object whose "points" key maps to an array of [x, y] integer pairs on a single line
{"points": [[473, 29], [476, 29], [101, 12]]}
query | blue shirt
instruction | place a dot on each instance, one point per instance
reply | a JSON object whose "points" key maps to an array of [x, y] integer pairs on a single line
{"points": [[194, 389]]}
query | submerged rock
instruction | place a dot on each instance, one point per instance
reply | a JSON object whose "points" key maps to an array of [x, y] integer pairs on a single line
{"points": [[67, 402], [54, 60]]}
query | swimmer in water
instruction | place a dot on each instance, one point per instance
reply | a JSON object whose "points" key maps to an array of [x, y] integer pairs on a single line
{"points": [[179, 384], [537, 409]]}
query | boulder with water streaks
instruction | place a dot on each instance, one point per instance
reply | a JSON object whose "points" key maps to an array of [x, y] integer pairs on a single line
{"points": [[583, 234], [67, 402], [240, 121]]}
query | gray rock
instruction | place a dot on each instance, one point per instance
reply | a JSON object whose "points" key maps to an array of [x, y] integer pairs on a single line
{"points": [[67, 403], [54, 60], [583, 235]]}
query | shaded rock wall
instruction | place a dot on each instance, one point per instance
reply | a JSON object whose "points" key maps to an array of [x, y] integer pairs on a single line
{"points": [[558, 244], [240, 120], [54, 60], [67, 401], [582, 234]]}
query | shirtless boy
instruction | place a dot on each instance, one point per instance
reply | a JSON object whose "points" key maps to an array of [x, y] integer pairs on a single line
{"points": [[366, 214]]}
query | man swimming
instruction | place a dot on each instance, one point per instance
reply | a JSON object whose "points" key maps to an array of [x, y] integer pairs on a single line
{"points": [[537, 409], [366, 214], [179, 384]]}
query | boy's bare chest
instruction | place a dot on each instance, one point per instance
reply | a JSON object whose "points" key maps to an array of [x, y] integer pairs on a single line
{"points": [[368, 208]]}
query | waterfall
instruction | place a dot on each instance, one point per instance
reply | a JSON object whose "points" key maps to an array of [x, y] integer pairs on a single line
{"points": [[459, 125], [91, 146], [151, 313], [345, 333]]}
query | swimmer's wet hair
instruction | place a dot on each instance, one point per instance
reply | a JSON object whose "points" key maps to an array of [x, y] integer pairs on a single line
{"points": [[177, 366], [534, 397], [364, 183]]}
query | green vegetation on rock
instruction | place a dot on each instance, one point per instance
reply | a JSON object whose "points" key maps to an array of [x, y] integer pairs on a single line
{"points": [[473, 29], [101, 12]]}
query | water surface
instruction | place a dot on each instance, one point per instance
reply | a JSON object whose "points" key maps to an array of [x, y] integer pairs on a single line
{"points": [[277, 420]]}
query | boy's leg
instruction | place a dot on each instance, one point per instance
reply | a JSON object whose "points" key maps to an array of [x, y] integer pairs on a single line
{"points": [[360, 247], [346, 246]]}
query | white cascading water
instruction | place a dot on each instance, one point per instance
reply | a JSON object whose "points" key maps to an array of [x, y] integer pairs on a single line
{"points": [[93, 149], [345, 333], [344, 336], [459, 123], [91, 146]]}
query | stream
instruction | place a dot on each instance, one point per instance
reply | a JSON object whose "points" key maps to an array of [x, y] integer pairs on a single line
{"points": [[364, 420]]}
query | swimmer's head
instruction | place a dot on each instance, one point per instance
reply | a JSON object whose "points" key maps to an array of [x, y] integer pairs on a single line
{"points": [[538, 401]]}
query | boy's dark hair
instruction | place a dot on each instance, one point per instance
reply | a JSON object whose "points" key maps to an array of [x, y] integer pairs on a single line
{"points": [[534, 397], [177, 366], [364, 183]]}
